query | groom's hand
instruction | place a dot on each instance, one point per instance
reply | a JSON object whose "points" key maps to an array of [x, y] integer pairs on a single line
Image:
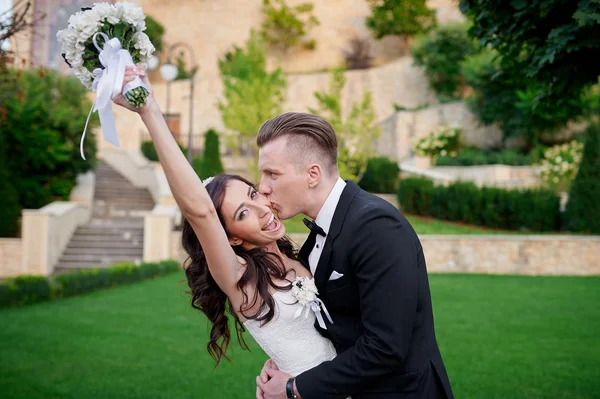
{"points": [[264, 377], [275, 387]]}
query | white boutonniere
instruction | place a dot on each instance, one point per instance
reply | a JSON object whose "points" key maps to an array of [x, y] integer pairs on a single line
{"points": [[306, 293]]}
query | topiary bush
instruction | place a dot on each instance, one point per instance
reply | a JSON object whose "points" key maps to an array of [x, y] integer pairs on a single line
{"points": [[583, 209], [530, 209], [381, 176], [149, 150], [211, 161]]}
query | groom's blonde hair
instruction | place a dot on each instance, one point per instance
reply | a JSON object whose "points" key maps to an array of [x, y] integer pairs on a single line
{"points": [[310, 138]]}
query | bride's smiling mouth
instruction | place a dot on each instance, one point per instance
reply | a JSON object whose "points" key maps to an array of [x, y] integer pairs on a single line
{"points": [[273, 224]]}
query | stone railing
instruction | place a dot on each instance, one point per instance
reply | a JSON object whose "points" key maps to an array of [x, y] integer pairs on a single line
{"points": [[482, 175], [493, 254], [46, 233], [11, 257], [141, 173], [158, 232]]}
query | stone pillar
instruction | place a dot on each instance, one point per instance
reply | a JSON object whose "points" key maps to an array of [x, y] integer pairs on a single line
{"points": [[35, 234], [158, 226]]}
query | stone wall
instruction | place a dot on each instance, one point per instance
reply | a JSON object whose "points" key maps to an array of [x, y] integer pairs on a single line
{"points": [[528, 255], [494, 254], [212, 27], [11, 257], [399, 82], [402, 129]]}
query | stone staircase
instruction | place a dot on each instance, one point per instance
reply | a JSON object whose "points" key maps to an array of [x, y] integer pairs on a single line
{"points": [[115, 232]]}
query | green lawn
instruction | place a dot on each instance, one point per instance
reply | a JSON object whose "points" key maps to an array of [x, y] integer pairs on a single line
{"points": [[422, 225], [501, 337]]}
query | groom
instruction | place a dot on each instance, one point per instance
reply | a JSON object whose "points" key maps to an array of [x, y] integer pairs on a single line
{"points": [[368, 266]]}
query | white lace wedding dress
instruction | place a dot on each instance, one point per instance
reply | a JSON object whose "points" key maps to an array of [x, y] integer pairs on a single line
{"points": [[293, 343]]}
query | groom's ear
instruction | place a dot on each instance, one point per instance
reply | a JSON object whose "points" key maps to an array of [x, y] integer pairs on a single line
{"points": [[314, 174], [234, 241]]}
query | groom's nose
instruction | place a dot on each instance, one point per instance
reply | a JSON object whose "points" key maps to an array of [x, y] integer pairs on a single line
{"points": [[264, 188]]}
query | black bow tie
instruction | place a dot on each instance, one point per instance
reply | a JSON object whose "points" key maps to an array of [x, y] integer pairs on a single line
{"points": [[314, 227]]}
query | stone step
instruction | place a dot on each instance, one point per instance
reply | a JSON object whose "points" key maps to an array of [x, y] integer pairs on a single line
{"points": [[117, 221], [102, 251], [102, 259], [107, 238], [116, 199], [121, 228], [124, 233], [103, 244], [115, 214], [129, 203]]}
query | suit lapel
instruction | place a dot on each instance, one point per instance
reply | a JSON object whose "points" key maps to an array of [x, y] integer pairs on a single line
{"points": [[305, 250], [324, 267]]}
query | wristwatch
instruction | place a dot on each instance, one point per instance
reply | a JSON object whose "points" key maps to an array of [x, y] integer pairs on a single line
{"points": [[289, 389]]}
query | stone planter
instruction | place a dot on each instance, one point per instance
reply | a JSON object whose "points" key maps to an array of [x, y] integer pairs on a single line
{"points": [[423, 162]]}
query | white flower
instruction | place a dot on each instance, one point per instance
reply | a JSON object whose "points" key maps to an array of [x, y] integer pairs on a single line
{"points": [[305, 290], [103, 10], [131, 13]]}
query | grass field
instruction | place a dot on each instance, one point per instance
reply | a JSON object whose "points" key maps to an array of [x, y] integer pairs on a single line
{"points": [[500, 336]]}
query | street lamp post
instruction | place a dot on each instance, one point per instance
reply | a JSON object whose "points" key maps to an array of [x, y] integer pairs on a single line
{"points": [[168, 71]]}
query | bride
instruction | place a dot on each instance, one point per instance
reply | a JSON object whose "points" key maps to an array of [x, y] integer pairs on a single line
{"points": [[240, 260]]}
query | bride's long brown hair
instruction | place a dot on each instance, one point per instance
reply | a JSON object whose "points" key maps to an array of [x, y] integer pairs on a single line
{"points": [[261, 268]]}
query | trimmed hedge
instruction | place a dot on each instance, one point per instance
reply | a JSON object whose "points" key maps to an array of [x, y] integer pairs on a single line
{"points": [[149, 150], [476, 156], [583, 209], [23, 290], [509, 209], [381, 176]]}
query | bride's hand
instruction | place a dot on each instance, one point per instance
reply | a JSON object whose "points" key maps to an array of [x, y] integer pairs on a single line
{"points": [[130, 74]]}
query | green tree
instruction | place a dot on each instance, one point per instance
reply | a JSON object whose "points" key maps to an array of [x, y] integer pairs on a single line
{"points": [[356, 132], [504, 97], [182, 71], [404, 18], [155, 31], [42, 124], [583, 209], [441, 53], [9, 200], [211, 161], [285, 27], [547, 43], [251, 94]]}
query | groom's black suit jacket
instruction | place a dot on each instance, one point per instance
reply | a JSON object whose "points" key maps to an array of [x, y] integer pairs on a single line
{"points": [[381, 308]]}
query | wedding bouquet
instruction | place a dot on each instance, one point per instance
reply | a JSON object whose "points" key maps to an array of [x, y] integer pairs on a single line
{"points": [[98, 43]]}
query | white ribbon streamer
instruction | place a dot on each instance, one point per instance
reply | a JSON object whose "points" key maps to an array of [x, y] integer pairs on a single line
{"points": [[315, 306], [107, 84]]}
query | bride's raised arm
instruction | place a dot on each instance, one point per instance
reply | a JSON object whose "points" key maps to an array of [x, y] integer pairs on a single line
{"points": [[188, 191]]}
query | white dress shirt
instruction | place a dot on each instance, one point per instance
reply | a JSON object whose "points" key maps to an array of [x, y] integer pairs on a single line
{"points": [[324, 219]]}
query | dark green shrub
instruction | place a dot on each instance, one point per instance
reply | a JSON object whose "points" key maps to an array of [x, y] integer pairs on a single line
{"points": [[381, 176], [24, 290], [441, 52], [477, 156], [211, 161], [149, 150], [415, 195], [28, 289], [42, 125], [583, 209], [10, 209], [493, 207]]}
